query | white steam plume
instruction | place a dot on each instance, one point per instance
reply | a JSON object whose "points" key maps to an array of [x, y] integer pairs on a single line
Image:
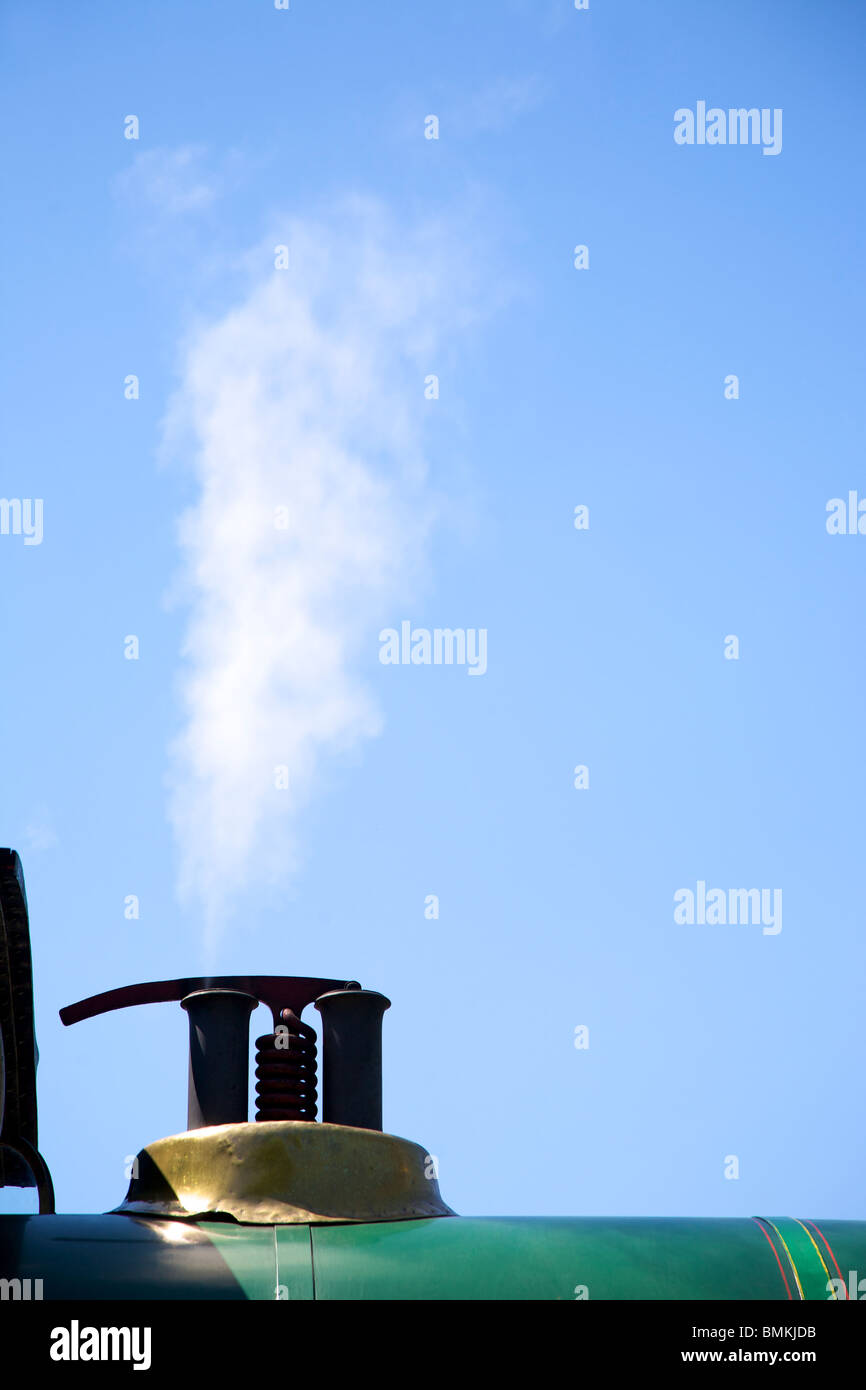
{"points": [[308, 396]]}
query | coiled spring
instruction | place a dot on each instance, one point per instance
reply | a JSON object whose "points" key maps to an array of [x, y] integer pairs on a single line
{"points": [[286, 1071]]}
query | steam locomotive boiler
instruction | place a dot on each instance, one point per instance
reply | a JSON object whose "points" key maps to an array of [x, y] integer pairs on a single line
{"points": [[290, 1207]]}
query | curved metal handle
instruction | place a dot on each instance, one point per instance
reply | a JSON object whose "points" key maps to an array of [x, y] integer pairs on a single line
{"points": [[39, 1169], [278, 992]]}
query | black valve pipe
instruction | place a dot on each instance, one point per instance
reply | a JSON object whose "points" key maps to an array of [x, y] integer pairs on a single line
{"points": [[219, 1056], [352, 1056]]}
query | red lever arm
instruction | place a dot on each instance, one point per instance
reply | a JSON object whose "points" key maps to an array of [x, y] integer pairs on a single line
{"points": [[276, 991]]}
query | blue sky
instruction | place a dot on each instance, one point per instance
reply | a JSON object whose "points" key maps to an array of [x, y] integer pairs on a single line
{"points": [[558, 387]]}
